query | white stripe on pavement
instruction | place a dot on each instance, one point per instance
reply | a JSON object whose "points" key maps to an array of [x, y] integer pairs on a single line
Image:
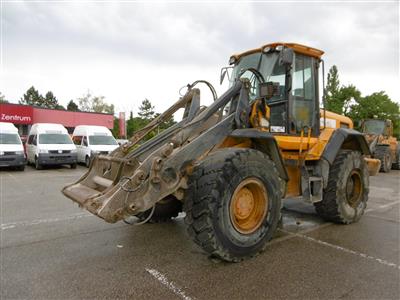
{"points": [[6, 226], [379, 260], [169, 284]]}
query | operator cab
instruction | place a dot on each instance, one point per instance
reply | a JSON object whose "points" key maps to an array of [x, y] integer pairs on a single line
{"points": [[290, 71], [377, 127]]}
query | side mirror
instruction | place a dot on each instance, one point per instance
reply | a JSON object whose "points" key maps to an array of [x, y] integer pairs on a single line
{"points": [[286, 56], [269, 89]]}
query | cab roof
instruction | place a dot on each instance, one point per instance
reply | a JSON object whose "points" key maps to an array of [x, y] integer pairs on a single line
{"points": [[298, 48]]}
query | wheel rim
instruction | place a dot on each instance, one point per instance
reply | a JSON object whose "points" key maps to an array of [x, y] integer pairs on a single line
{"points": [[354, 188], [248, 206]]}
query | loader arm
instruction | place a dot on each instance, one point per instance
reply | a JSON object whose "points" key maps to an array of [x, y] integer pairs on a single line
{"points": [[133, 178]]}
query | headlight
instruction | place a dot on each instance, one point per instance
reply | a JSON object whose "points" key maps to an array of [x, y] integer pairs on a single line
{"points": [[73, 151], [94, 152], [1, 152], [43, 151], [19, 152]]}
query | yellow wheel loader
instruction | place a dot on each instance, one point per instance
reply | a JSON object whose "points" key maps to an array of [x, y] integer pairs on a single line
{"points": [[229, 165], [383, 145]]}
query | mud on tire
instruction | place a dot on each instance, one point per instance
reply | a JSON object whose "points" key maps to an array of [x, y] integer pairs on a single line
{"points": [[208, 203], [345, 198]]}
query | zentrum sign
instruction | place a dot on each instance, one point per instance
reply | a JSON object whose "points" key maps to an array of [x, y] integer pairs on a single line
{"points": [[17, 114], [15, 118]]}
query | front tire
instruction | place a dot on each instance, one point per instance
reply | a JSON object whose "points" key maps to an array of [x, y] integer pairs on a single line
{"points": [[383, 154], [346, 195], [233, 204], [73, 166]]}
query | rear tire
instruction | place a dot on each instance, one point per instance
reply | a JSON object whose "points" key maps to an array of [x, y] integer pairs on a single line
{"points": [[165, 210], [233, 204], [345, 198], [383, 154]]}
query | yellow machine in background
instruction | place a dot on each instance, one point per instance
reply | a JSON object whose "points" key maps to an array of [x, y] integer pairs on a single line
{"points": [[228, 166], [382, 143]]}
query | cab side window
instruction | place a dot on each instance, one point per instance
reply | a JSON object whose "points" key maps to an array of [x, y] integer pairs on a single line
{"points": [[85, 142], [77, 140], [303, 93]]}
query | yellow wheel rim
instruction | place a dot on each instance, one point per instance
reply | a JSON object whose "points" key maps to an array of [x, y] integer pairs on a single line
{"points": [[354, 189], [249, 205]]}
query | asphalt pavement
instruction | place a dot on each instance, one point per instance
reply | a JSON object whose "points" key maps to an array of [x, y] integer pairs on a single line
{"points": [[51, 249]]}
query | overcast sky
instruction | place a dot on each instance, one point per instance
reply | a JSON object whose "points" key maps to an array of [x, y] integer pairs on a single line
{"points": [[129, 51]]}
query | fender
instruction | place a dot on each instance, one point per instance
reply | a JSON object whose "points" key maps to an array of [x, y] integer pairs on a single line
{"points": [[266, 143], [344, 138]]}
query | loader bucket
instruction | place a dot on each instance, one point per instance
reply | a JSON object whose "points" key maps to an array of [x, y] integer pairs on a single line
{"points": [[373, 165], [135, 176]]}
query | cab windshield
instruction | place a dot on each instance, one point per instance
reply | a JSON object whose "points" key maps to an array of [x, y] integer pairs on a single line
{"points": [[54, 138], [9, 139], [374, 126], [260, 67], [102, 140]]}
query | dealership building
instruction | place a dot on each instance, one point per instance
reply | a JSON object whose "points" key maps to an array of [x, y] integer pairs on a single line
{"points": [[23, 116]]}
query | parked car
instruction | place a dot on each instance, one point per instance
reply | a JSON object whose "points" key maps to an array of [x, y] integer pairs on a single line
{"points": [[93, 140], [11, 148], [50, 144]]}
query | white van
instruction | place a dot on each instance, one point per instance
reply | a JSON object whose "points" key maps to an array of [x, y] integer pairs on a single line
{"points": [[50, 144], [11, 149], [92, 140]]}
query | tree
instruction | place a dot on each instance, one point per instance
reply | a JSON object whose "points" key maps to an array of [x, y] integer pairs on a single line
{"points": [[32, 97], [332, 90], [99, 105], [377, 105], [146, 110], [85, 102], [347, 96], [50, 101], [88, 102], [72, 106], [339, 98], [2, 98], [115, 130]]}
